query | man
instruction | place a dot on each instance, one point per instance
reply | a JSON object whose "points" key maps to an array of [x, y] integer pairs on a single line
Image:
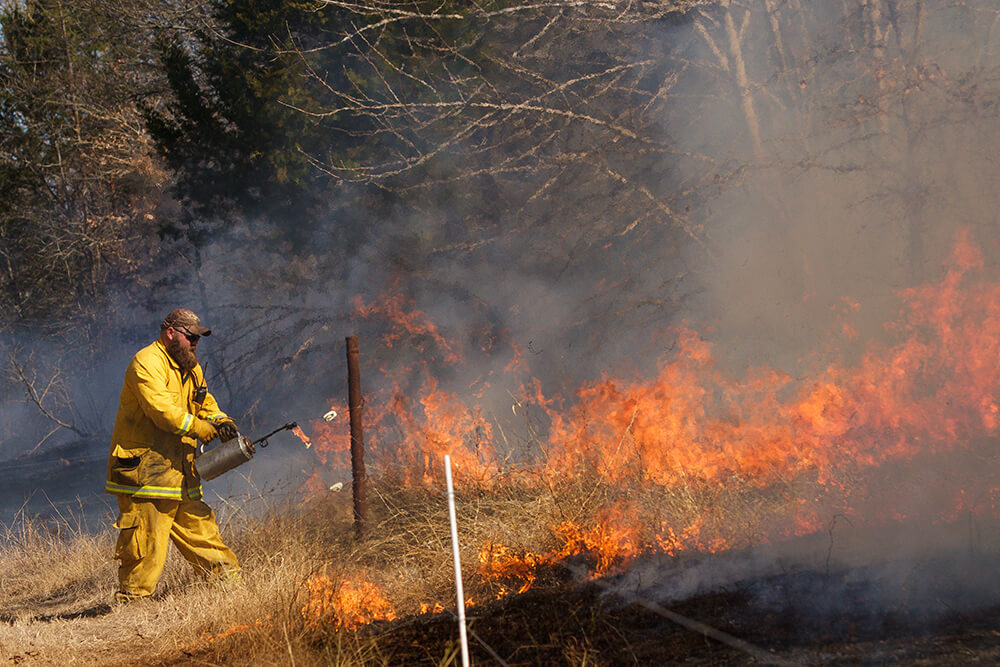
{"points": [[164, 407]]}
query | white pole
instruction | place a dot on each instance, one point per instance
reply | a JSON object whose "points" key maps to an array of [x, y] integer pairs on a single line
{"points": [[458, 563]]}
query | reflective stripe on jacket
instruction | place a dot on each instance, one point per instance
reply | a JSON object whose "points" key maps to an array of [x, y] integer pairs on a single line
{"points": [[152, 445]]}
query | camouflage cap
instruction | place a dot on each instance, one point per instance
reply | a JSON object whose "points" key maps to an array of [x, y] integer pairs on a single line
{"points": [[187, 320]]}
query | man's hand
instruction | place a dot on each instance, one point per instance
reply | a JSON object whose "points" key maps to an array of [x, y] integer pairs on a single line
{"points": [[204, 430], [227, 430]]}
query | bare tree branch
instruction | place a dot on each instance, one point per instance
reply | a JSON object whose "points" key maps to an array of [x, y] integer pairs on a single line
{"points": [[38, 396]]}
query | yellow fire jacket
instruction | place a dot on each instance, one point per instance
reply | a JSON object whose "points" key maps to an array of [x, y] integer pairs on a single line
{"points": [[159, 414]]}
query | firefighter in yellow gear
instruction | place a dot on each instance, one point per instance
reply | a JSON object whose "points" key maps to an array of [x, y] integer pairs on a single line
{"points": [[164, 407]]}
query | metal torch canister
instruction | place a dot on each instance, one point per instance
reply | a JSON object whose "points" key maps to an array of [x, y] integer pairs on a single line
{"points": [[224, 457]]}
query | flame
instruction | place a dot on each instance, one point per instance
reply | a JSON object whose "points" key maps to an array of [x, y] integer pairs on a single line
{"points": [[438, 424], [672, 543], [345, 605], [926, 393], [436, 608], [612, 540], [297, 430], [406, 323], [609, 543], [508, 570], [407, 439], [837, 442]]}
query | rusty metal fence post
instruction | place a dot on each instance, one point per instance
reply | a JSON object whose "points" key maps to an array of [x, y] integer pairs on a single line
{"points": [[355, 405]]}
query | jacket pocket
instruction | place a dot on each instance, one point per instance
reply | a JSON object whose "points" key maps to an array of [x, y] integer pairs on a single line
{"points": [[126, 465]]}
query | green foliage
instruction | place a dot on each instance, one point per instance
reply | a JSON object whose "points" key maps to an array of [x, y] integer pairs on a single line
{"points": [[284, 102], [231, 131], [76, 181]]}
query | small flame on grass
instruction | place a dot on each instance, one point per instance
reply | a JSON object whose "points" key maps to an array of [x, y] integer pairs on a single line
{"points": [[345, 605], [611, 543], [511, 571], [437, 607]]}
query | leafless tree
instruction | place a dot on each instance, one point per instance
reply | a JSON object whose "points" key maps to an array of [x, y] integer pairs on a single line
{"points": [[82, 182], [600, 131]]}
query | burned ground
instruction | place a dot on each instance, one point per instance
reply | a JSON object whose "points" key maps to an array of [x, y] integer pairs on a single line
{"points": [[939, 610], [585, 624], [804, 616]]}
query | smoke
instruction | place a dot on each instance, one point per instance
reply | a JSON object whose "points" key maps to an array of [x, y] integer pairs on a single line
{"points": [[875, 138], [849, 581], [792, 176], [871, 154]]}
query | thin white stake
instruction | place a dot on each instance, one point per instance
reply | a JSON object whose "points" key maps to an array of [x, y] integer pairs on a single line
{"points": [[458, 563]]}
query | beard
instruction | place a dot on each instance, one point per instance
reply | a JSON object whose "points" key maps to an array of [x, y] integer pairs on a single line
{"points": [[186, 358]]}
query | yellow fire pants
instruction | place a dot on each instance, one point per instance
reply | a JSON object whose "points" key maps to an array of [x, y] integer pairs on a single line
{"points": [[146, 528]]}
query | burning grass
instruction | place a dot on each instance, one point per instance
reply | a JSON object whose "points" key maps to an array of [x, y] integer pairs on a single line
{"points": [[313, 595], [310, 591], [683, 463]]}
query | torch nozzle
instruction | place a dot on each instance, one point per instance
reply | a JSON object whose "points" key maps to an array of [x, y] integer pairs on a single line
{"points": [[263, 441]]}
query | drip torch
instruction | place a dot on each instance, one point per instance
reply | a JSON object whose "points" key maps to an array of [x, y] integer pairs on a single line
{"points": [[227, 455]]}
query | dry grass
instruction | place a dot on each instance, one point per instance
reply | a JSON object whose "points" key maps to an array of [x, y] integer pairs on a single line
{"points": [[48, 568], [56, 580]]}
